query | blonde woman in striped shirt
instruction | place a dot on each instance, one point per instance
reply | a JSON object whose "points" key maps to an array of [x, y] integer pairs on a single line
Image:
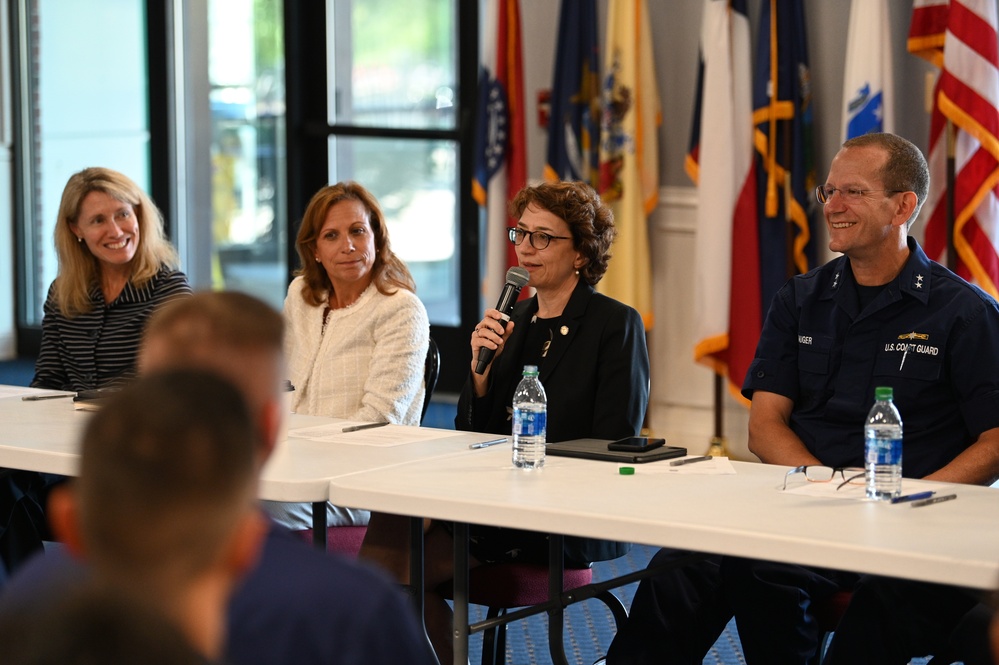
{"points": [[115, 268]]}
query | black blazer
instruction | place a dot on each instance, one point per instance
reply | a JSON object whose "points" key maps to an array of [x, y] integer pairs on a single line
{"points": [[596, 379], [596, 375]]}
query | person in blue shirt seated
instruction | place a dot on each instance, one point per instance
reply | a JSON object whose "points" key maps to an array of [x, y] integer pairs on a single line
{"points": [[163, 511], [298, 604], [831, 336]]}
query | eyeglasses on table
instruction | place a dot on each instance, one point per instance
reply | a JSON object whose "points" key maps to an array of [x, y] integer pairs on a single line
{"points": [[849, 475]]}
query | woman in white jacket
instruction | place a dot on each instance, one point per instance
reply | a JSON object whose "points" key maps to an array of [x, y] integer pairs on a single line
{"points": [[356, 334]]}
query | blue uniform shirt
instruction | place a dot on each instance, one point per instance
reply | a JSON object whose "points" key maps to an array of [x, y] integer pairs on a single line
{"points": [[929, 335]]}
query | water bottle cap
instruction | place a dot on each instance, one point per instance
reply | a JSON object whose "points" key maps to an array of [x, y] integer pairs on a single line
{"points": [[530, 369], [626, 470], [883, 393]]}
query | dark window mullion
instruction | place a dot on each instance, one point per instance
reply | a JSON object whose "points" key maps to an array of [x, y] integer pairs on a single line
{"points": [[305, 111], [159, 25], [388, 132]]}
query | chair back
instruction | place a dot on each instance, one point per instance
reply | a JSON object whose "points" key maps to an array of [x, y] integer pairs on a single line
{"points": [[431, 370]]}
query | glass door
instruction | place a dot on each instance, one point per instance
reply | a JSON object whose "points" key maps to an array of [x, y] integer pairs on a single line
{"points": [[246, 96]]}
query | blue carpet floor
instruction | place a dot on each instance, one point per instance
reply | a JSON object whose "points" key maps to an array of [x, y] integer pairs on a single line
{"points": [[589, 626], [16, 372]]}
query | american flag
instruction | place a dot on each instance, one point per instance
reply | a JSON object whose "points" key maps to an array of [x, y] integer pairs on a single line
{"points": [[960, 37]]}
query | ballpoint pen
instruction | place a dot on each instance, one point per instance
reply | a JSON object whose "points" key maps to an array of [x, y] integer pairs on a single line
{"points": [[912, 497], [38, 398], [358, 428], [936, 499], [689, 460], [486, 444]]}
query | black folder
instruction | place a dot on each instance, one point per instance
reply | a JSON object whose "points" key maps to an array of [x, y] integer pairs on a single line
{"points": [[597, 449]]}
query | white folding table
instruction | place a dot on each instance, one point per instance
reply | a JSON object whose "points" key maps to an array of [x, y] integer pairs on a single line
{"points": [[744, 514], [45, 436]]}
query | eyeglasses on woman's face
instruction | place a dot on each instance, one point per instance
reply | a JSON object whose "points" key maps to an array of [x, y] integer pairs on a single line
{"points": [[539, 239]]}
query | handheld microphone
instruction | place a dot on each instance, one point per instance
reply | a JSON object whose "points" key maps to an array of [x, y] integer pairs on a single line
{"points": [[516, 279]]}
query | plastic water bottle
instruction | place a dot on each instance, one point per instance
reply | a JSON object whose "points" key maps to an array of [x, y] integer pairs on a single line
{"points": [[883, 447], [530, 416]]}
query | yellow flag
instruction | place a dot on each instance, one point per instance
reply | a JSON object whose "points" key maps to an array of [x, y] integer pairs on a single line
{"points": [[629, 152]]}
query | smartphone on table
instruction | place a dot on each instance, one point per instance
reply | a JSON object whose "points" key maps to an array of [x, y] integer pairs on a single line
{"points": [[636, 444]]}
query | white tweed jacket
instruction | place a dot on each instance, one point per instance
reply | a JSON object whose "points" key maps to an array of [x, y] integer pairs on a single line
{"points": [[368, 365]]}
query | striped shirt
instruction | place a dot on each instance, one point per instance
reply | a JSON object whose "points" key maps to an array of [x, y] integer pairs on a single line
{"points": [[99, 348]]}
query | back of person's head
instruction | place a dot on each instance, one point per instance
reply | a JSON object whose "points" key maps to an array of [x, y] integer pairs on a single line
{"points": [[904, 170], [78, 268], [167, 480], [590, 220], [388, 273], [232, 334], [95, 626]]}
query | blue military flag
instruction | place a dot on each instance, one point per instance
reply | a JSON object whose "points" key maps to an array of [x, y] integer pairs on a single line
{"points": [[574, 121], [782, 113]]}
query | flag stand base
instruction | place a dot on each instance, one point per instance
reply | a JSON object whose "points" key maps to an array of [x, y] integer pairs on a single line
{"points": [[717, 447]]}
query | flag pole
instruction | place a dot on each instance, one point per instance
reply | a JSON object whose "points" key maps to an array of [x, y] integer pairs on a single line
{"points": [[718, 445], [951, 171], [790, 269]]}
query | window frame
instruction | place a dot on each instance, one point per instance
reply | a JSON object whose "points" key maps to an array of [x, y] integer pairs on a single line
{"points": [[308, 155], [160, 75]]}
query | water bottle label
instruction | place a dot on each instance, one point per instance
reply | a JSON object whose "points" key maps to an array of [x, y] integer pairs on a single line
{"points": [[529, 423], [884, 451]]}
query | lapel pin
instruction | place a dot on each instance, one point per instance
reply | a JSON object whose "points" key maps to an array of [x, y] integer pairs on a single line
{"points": [[564, 330]]}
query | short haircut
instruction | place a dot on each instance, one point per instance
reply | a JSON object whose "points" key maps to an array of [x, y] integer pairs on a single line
{"points": [[590, 221], [904, 170], [78, 268], [167, 470], [388, 274], [223, 332]]}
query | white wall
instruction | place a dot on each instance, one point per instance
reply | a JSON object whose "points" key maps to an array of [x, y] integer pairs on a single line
{"points": [[682, 391]]}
